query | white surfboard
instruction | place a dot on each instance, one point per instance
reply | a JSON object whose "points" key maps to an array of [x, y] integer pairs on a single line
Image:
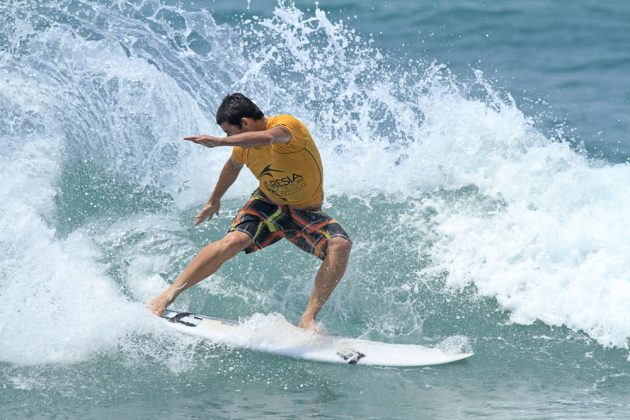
{"points": [[274, 334]]}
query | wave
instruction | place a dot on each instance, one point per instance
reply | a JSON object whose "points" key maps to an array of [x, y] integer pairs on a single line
{"points": [[98, 186]]}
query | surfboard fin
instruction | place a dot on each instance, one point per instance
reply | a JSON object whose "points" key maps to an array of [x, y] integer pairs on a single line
{"points": [[352, 357], [178, 317]]}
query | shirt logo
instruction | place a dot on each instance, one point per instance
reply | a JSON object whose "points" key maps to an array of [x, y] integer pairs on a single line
{"points": [[286, 186], [267, 171]]}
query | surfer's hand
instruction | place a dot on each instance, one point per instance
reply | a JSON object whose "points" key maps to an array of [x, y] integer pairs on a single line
{"points": [[208, 211], [204, 140]]}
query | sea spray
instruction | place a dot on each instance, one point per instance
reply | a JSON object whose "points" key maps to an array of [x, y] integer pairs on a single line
{"points": [[443, 182], [542, 227]]}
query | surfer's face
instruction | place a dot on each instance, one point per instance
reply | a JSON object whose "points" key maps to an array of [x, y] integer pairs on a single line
{"points": [[230, 129], [247, 124]]}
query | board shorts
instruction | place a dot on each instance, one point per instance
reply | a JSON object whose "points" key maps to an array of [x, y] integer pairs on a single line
{"points": [[266, 223]]}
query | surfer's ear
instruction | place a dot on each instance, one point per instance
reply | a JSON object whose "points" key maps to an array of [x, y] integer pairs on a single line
{"points": [[248, 124]]}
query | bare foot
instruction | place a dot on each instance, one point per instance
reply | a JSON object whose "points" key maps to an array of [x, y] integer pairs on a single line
{"points": [[158, 304], [310, 324]]}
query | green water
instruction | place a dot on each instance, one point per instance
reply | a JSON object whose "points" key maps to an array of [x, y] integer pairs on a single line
{"points": [[517, 371]]}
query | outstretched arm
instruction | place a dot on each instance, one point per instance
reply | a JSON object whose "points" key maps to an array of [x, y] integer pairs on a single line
{"points": [[228, 175], [274, 135]]}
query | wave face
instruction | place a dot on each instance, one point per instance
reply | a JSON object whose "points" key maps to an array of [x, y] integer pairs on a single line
{"points": [[465, 216]]}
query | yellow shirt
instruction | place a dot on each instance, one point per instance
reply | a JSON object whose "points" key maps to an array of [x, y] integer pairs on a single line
{"points": [[289, 173]]}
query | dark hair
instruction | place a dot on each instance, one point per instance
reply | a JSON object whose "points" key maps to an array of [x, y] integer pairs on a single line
{"points": [[235, 107]]}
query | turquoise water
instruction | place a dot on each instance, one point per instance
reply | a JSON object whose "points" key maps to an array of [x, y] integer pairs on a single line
{"points": [[476, 153]]}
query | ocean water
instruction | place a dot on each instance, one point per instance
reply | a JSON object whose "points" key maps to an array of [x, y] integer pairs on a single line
{"points": [[477, 153]]}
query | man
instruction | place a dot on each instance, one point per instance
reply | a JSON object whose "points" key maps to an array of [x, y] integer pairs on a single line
{"points": [[281, 154]]}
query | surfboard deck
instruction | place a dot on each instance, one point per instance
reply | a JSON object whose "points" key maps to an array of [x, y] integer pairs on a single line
{"points": [[274, 334]]}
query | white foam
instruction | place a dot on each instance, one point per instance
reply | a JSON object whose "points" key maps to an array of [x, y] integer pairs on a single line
{"points": [[543, 230], [556, 251], [57, 305]]}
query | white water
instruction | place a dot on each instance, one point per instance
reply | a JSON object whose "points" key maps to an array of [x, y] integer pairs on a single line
{"points": [[543, 230], [52, 290]]}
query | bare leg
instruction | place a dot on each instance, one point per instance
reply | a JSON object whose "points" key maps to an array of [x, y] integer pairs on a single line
{"points": [[204, 264], [326, 280]]}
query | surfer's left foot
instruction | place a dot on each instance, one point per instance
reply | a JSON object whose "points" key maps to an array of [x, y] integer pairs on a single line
{"points": [[309, 324], [158, 304]]}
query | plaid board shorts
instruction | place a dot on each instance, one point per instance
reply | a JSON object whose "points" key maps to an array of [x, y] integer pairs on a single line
{"points": [[267, 223]]}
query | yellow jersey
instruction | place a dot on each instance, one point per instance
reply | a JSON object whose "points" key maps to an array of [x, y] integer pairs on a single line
{"points": [[290, 173]]}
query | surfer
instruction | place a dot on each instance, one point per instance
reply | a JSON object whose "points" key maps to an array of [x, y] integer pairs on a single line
{"points": [[281, 154]]}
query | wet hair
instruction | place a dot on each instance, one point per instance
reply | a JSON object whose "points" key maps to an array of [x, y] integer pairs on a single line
{"points": [[235, 107]]}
